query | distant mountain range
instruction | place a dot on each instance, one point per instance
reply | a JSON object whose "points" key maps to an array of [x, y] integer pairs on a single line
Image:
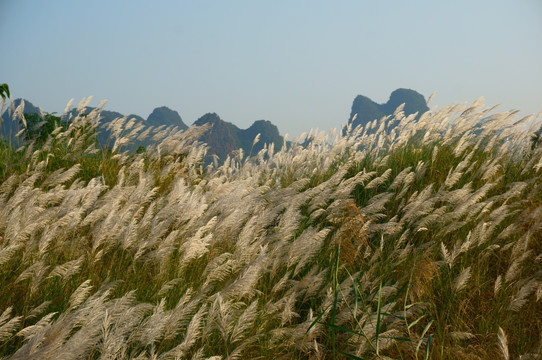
{"points": [[224, 137]]}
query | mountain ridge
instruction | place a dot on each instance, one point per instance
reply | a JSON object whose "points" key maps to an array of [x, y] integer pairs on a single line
{"points": [[223, 138], [366, 110]]}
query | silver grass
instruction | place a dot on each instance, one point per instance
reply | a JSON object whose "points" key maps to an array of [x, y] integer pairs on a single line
{"points": [[514, 269], [35, 273], [245, 285], [377, 204], [448, 259], [409, 179], [19, 114], [461, 335], [218, 268], [221, 316], [452, 178], [155, 224], [109, 346], [38, 310], [520, 298], [68, 269], [179, 317], [168, 286], [282, 283], [244, 323], [435, 217], [154, 327], [306, 246], [312, 285], [6, 314], [300, 287], [460, 282], [491, 171], [83, 103], [8, 329], [64, 176], [379, 180], [398, 180], [8, 325], [6, 253], [193, 333], [503, 344], [288, 307], [31, 330], [80, 294], [195, 248]]}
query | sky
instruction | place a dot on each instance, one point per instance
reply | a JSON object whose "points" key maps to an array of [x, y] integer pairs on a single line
{"points": [[299, 64]]}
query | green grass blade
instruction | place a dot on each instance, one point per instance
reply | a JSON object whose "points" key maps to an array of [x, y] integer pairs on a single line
{"points": [[378, 316], [421, 337], [415, 322], [427, 347]]}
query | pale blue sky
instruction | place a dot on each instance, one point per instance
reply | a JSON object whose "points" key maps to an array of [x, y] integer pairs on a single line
{"points": [[298, 64]]}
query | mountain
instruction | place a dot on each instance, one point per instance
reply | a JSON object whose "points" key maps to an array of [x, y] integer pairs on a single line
{"points": [[224, 137], [367, 110], [269, 134], [165, 116], [221, 136]]}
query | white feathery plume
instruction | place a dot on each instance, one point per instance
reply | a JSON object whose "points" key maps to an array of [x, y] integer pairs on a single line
{"points": [[19, 113], [35, 273], [515, 268], [503, 344], [218, 269], [193, 333], [83, 104], [498, 285], [244, 323], [32, 330], [306, 246], [68, 269], [377, 204], [446, 255], [520, 298], [461, 335], [256, 139], [67, 108], [8, 327], [400, 178], [168, 286], [379, 180], [431, 97], [5, 315], [37, 310], [6, 253], [461, 280], [80, 294]]}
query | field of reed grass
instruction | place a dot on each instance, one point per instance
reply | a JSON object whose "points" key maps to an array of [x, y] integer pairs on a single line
{"points": [[406, 239]]}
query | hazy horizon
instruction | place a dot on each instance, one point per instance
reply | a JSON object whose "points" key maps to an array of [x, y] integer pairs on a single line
{"points": [[298, 65]]}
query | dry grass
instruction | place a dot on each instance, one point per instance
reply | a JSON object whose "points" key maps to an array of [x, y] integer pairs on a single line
{"points": [[423, 241]]}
